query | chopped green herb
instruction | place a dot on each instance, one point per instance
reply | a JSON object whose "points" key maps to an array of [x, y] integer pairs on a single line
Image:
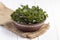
{"points": [[29, 15]]}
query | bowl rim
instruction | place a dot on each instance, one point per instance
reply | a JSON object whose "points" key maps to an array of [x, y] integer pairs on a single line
{"points": [[29, 25]]}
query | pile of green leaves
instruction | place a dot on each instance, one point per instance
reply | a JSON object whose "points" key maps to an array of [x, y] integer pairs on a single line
{"points": [[27, 15]]}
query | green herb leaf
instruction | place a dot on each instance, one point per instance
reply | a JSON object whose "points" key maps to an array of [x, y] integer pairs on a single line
{"points": [[29, 15]]}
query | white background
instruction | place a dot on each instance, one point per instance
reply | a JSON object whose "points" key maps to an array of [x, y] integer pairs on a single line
{"points": [[53, 9]]}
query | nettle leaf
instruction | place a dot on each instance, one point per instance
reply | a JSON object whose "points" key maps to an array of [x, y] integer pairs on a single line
{"points": [[28, 15]]}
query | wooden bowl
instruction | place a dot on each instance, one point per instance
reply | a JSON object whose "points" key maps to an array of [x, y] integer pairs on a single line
{"points": [[28, 27]]}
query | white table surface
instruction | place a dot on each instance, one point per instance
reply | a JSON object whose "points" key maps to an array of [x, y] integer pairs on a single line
{"points": [[53, 9]]}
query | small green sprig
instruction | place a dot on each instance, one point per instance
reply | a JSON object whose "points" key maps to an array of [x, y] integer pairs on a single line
{"points": [[28, 15]]}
